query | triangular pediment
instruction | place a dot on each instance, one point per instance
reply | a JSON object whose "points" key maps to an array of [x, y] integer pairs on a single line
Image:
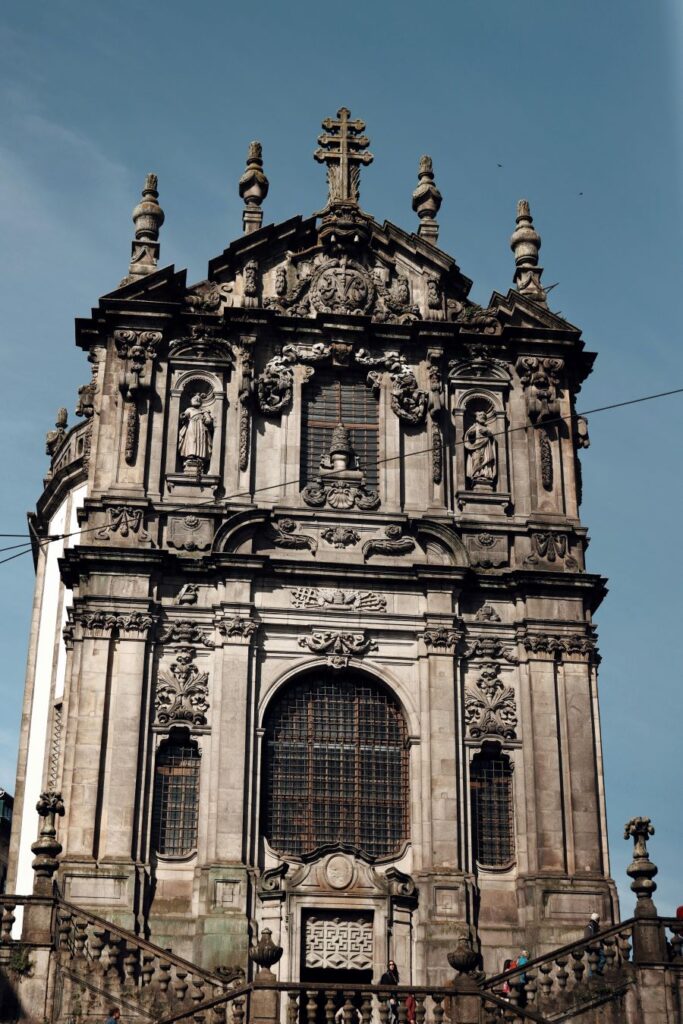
{"points": [[520, 311]]}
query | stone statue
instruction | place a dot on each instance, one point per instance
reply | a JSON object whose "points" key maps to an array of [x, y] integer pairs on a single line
{"points": [[480, 444], [195, 437]]}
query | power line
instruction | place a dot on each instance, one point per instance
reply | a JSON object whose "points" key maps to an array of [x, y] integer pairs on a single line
{"points": [[552, 421]]}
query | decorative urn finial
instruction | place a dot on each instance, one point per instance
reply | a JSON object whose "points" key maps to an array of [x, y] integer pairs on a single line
{"points": [[265, 953], [641, 869], [147, 218], [253, 189], [47, 848], [525, 244], [427, 201]]}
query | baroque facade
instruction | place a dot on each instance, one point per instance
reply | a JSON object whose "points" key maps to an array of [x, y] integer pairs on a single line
{"points": [[316, 650]]}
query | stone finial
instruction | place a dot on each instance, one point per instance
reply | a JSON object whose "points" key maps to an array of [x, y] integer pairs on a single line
{"points": [[341, 449], [265, 954], [641, 869], [253, 188], [54, 438], [147, 218], [47, 848], [525, 244], [427, 201]]}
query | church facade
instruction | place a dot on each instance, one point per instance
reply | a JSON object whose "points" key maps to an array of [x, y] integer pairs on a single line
{"points": [[313, 647]]}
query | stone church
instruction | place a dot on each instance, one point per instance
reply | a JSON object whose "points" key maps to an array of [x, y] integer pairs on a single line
{"points": [[312, 643]]}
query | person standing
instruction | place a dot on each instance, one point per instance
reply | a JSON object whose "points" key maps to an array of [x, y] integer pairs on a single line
{"points": [[589, 932], [390, 977], [114, 1016]]}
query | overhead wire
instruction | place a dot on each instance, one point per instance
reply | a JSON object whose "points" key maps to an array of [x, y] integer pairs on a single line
{"points": [[550, 421]]}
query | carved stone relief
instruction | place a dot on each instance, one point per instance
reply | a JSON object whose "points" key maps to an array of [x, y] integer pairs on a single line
{"points": [[284, 535], [490, 707], [487, 613], [138, 350], [341, 485], [328, 597], [393, 543], [340, 536], [545, 643], [541, 379], [442, 638], [188, 594], [487, 550], [124, 520], [209, 297], [103, 623], [551, 547], [407, 400], [339, 647], [181, 693], [481, 464], [184, 631], [474, 318], [238, 627], [189, 533], [274, 386], [490, 647]]}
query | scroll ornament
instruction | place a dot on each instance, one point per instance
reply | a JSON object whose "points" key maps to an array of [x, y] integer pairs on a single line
{"points": [[339, 647]]}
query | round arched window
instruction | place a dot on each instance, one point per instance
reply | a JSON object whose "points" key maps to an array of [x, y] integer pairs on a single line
{"points": [[336, 767]]}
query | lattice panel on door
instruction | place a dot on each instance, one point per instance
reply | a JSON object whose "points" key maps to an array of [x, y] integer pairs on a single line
{"points": [[343, 944]]}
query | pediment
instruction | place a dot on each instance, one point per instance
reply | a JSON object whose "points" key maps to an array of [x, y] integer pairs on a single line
{"points": [[520, 311]]}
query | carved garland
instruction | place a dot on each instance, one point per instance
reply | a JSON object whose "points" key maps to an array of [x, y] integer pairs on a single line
{"points": [[339, 647], [490, 707], [181, 697], [138, 349]]}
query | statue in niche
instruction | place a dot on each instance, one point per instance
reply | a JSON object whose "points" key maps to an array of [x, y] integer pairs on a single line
{"points": [[195, 438], [480, 445]]}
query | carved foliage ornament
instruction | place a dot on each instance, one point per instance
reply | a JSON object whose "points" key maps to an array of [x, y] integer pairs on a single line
{"points": [[442, 637], [490, 707], [339, 647], [184, 631], [340, 536], [209, 297], [238, 627], [328, 597], [182, 692], [138, 349], [544, 643], [490, 647], [407, 400], [105, 623], [340, 494]]}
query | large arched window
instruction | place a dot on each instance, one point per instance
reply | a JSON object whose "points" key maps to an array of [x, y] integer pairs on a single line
{"points": [[175, 809], [330, 399], [493, 828], [336, 767]]}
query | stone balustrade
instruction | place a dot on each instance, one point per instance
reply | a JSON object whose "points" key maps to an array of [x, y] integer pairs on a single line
{"points": [[572, 975]]}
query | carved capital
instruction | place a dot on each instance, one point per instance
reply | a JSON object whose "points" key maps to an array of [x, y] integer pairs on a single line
{"points": [[238, 628]]}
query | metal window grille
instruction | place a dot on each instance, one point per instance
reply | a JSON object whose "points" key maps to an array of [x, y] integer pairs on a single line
{"points": [[336, 769], [327, 401], [492, 809], [176, 797]]}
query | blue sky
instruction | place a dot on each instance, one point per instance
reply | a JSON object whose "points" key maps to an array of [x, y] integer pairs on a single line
{"points": [[580, 103]]}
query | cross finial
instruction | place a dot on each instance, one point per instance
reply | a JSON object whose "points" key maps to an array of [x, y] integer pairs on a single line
{"points": [[342, 146]]}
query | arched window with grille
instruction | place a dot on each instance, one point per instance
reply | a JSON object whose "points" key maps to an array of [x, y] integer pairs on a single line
{"points": [[335, 767], [175, 807], [491, 801], [329, 399]]}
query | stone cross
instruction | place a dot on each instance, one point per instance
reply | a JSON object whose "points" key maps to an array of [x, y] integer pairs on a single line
{"points": [[342, 150]]}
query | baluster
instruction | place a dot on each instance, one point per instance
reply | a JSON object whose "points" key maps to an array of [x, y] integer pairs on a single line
{"points": [[510, 1014], [80, 937], [578, 967], [384, 1010], [130, 958], [147, 969], [402, 1014], [180, 984], [420, 1010], [531, 987], [311, 1005], [96, 944], [65, 918], [593, 959], [438, 1009], [219, 1013], [164, 975], [546, 980], [292, 1007], [562, 974], [8, 920], [491, 1012], [329, 1006], [609, 948], [349, 1012], [238, 1010], [366, 1010], [677, 942], [197, 993], [624, 942], [199, 1017]]}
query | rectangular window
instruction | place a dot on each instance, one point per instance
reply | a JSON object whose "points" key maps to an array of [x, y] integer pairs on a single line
{"points": [[492, 810], [176, 792], [327, 401]]}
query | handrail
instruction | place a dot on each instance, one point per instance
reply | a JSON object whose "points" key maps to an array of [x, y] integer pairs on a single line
{"points": [[124, 933], [560, 951]]}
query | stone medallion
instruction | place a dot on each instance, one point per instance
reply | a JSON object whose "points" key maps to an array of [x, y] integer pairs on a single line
{"points": [[342, 286], [339, 871]]}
